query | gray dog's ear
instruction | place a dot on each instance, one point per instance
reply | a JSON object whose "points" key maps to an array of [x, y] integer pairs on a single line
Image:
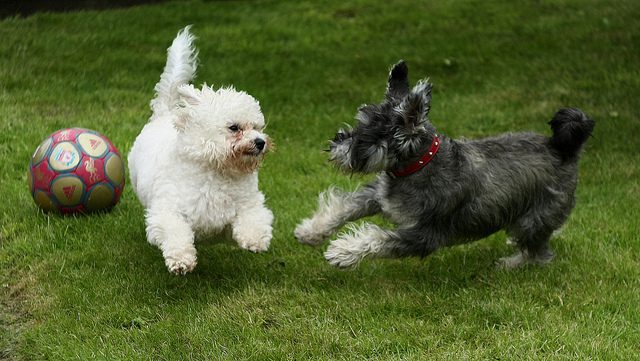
{"points": [[415, 107], [423, 88], [413, 111], [398, 84]]}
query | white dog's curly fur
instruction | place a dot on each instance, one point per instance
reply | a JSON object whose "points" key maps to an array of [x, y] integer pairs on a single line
{"points": [[195, 164]]}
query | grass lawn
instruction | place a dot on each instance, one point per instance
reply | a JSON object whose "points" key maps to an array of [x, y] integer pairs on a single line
{"points": [[92, 288]]}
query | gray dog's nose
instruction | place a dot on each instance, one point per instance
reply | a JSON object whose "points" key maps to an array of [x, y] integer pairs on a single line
{"points": [[259, 143]]}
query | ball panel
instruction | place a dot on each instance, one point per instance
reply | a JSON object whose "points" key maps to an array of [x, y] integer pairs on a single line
{"points": [[68, 190], [41, 151], [43, 201], [42, 176], [64, 156], [65, 135], [114, 169], [100, 197], [92, 144], [91, 170]]}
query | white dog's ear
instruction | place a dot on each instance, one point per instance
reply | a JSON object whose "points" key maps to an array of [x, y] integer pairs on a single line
{"points": [[189, 95], [188, 98]]}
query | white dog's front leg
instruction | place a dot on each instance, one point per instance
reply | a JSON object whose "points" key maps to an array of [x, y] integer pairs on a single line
{"points": [[173, 235], [252, 228]]}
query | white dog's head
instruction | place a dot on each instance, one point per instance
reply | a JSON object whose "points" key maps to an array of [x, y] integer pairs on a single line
{"points": [[221, 128]]}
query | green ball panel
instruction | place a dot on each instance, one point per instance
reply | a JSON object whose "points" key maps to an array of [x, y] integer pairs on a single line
{"points": [[64, 156], [41, 151], [92, 144], [100, 197], [68, 190], [114, 169], [44, 202]]}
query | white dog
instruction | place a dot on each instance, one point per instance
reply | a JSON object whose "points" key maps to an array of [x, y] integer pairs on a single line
{"points": [[194, 166]]}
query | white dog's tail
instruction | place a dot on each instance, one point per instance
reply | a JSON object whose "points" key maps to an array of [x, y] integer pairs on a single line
{"points": [[182, 58]]}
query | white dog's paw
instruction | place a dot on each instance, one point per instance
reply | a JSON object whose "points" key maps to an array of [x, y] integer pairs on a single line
{"points": [[305, 234], [254, 237], [181, 265], [257, 245]]}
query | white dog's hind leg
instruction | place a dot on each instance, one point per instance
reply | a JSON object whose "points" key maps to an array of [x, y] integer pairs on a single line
{"points": [[171, 233], [252, 228], [335, 209]]}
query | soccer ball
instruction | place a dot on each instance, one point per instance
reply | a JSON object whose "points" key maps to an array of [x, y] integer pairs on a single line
{"points": [[76, 170]]}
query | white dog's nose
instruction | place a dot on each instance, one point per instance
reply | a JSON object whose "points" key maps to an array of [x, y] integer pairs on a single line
{"points": [[259, 143]]}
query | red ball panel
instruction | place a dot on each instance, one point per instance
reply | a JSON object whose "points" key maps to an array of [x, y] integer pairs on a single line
{"points": [[91, 170], [42, 176], [69, 134]]}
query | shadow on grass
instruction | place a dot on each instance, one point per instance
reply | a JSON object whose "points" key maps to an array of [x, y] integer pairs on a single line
{"points": [[225, 269]]}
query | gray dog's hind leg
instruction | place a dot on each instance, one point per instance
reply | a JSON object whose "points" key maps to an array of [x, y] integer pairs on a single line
{"points": [[534, 249]]}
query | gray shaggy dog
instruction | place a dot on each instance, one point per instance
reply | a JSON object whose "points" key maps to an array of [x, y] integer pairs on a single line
{"points": [[440, 191]]}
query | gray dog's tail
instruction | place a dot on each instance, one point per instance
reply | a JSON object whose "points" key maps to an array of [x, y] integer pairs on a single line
{"points": [[571, 129]]}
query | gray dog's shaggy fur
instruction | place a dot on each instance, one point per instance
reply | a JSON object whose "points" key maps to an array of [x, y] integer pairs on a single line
{"points": [[523, 183]]}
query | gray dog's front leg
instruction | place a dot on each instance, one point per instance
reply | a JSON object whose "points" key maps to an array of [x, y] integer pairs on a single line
{"points": [[335, 208], [370, 240]]}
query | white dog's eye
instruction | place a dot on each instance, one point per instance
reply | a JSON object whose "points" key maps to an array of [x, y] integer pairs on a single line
{"points": [[234, 128]]}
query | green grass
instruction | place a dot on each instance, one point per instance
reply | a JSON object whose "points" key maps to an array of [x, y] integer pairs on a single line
{"points": [[92, 288]]}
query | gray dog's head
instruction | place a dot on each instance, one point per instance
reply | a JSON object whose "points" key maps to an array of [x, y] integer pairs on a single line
{"points": [[390, 134]]}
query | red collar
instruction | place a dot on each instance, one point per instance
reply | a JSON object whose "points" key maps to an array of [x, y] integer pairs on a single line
{"points": [[420, 163]]}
